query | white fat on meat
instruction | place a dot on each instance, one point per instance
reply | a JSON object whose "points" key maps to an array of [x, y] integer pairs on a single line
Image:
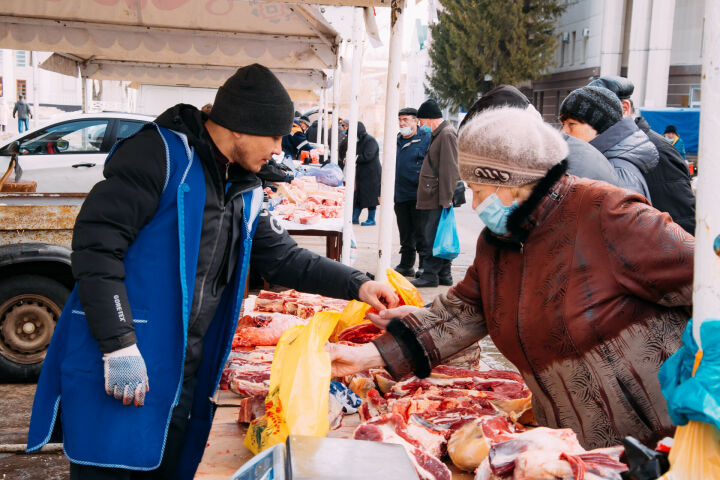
{"points": [[391, 428]]}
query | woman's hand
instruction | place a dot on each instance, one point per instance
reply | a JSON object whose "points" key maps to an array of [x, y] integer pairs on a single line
{"points": [[383, 318], [347, 360]]}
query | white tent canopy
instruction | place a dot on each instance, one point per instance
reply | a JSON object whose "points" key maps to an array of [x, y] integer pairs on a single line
{"points": [[174, 42]]}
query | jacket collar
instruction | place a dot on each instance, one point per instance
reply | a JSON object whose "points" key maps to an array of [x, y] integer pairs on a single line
{"points": [[440, 128], [544, 199], [615, 134]]}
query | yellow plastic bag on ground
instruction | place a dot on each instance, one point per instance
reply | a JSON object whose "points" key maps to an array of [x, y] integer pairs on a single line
{"points": [[407, 291], [299, 386]]}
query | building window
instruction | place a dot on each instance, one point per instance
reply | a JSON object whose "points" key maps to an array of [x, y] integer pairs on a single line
{"points": [[21, 89], [561, 63], [541, 104], [572, 49], [21, 58]]}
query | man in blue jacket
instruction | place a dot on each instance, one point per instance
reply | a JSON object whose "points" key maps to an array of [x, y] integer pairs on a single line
{"points": [[412, 145], [161, 250]]}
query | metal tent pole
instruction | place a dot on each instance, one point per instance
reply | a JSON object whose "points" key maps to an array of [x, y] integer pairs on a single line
{"points": [[336, 114], [706, 288], [392, 104], [357, 40]]}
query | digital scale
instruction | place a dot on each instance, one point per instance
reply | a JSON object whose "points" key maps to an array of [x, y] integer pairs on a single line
{"points": [[318, 458]]}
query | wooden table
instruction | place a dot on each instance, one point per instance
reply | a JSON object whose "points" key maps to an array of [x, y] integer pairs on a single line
{"points": [[225, 452], [333, 240]]}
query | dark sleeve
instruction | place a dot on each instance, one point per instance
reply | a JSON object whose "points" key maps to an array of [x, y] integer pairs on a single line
{"points": [[448, 168], [280, 261], [109, 221], [271, 172]]}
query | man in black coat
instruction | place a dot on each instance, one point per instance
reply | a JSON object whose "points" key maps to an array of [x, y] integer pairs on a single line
{"points": [[669, 182]]}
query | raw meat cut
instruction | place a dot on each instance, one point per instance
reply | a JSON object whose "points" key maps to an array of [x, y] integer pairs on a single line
{"points": [[266, 330], [470, 444], [549, 454], [361, 333], [505, 390], [391, 428]]}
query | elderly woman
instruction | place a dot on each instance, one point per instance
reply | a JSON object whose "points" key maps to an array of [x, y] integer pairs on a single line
{"points": [[583, 286]]}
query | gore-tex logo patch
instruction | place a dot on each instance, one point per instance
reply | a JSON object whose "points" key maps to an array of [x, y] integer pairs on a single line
{"points": [[118, 308]]}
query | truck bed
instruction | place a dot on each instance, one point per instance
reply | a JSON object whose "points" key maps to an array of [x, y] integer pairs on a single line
{"points": [[38, 217]]}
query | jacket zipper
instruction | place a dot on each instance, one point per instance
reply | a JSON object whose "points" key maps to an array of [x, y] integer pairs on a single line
{"points": [[215, 244]]}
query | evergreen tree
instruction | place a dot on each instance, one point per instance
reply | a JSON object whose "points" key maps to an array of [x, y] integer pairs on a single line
{"points": [[478, 44]]}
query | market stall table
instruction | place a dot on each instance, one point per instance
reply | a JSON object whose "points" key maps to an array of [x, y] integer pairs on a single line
{"points": [[330, 228], [225, 452]]}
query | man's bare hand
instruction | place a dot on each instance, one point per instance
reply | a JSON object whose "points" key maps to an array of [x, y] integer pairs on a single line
{"points": [[383, 318], [347, 360], [378, 295]]}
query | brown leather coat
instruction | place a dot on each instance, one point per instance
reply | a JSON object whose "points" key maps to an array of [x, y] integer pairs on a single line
{"points": [[587, 306]]}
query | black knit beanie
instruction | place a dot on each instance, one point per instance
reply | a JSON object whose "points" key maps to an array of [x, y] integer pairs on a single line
{"points": [[500, 96], [253, 101], [429, 109], [596, 106]]}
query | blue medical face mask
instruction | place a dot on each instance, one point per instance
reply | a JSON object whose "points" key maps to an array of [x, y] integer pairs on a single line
{"points": [[494, 214], [425, 128]]}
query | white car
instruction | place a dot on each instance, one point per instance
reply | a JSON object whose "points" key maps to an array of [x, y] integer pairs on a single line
{"points": [[68, 153]]}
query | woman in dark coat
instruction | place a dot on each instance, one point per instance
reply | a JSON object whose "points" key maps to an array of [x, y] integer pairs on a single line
{"points": [[367, 176]]}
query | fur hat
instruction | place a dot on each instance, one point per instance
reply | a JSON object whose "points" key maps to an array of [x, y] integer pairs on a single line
{"points": [[508, 147], [620, 86]]}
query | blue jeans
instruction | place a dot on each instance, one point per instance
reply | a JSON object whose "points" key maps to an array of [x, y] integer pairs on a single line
{"points": [[22, 122]]}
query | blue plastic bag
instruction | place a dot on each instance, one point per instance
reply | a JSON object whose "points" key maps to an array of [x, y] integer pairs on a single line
{"points": [[329, 174], [447, 244], [698, 397]]}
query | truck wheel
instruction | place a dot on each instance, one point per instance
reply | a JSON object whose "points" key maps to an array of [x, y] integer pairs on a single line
{"points": [[30, 306]]}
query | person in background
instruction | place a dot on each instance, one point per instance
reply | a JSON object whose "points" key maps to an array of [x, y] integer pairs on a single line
{"points": [[438, 178], [584, 160], [412, 145], [161, 250], [296, 141], [368, 173], [206, 109], [3, 115], [672, 136], [669, 182], [583, 286], [594, 114], [22, 109]]}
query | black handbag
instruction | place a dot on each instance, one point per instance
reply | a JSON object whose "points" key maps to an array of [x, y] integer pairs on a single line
{"points": [[459, 193]]}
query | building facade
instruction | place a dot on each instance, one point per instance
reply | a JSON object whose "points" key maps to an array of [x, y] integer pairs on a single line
{"points": [[655, 43]]}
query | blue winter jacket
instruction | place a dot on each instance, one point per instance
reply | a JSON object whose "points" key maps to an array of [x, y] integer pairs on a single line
{"points": [[410, 155]]}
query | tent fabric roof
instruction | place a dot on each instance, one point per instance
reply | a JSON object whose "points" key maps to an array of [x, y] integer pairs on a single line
{"points": [[175, 41]]}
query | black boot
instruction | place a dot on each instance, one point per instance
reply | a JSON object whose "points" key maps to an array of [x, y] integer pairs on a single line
{"points": [[405, 267], [445, 275], [406, 271], [425, 281]]}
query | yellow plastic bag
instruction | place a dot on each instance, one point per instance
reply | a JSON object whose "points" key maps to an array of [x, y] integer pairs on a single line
{"points": [[353, 314], [299, 386], [407, 291]]}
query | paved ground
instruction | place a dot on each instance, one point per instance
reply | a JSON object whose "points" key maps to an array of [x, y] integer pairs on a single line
{"points": [[16, 400]]}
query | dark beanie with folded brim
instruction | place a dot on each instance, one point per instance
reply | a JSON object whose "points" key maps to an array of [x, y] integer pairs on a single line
{"points": [[597, 106], [429, 109], [253, 101], [498, 97]]}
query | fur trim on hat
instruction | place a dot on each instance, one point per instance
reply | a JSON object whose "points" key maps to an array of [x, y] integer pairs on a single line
{"points": [[508, 147]]}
